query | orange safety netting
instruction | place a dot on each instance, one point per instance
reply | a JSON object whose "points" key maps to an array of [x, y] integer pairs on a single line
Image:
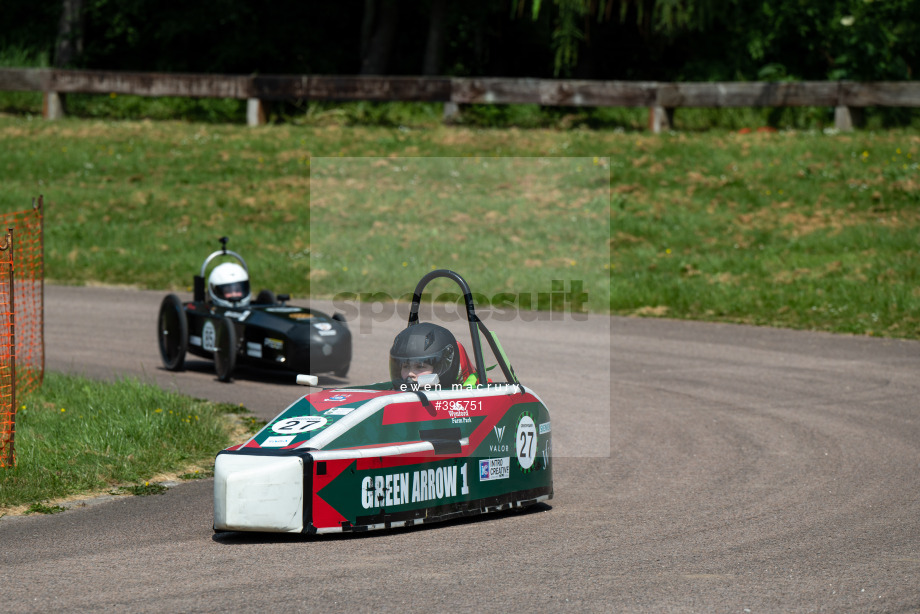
{"points": [[7, 358], [29, 297], [22, 316]]}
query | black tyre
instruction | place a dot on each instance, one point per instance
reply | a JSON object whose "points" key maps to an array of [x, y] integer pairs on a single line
{"points": [[266, 297], [342, 371], [226, 347], [172, 333]]}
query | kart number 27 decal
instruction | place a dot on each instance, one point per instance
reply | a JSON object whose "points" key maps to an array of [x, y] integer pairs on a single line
{"points": [[526, 441], [300, 424]]}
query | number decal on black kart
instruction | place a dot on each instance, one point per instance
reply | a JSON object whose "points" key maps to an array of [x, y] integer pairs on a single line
{"points": [[301, 424]]}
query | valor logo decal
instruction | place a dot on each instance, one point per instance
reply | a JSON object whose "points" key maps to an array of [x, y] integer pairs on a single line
{"points": [[499, 446], [300, 424]]}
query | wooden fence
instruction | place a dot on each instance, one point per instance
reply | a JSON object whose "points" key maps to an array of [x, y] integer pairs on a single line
{"points": [[660, 98]]}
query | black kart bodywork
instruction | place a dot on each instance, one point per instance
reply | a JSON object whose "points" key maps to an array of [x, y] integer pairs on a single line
{"points": [[266, 333]]}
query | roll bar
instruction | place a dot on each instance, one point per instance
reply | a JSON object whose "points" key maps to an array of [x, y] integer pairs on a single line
{"points": [[223, 252], [476, 325]]}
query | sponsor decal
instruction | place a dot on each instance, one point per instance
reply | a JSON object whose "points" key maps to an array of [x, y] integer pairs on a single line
{"points": [[208, 336], [194, 340], [494, 469], [413, 486], [339, 411], [275, 344], [301, 316], [498, 446], [278, 442], [461, 407], [458, 413], [338, 397], [284, 310], [325, 329], [544, 428], [236, 314], [525, 441], [458, 410], [253, 349], [300, 424]]}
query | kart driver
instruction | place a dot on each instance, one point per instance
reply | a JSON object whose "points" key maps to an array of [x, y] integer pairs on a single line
{"points": [[428, 348], [228, 286]]}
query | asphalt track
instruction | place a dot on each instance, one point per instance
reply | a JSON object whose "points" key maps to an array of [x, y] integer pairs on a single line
{"points": [[700, 468]]}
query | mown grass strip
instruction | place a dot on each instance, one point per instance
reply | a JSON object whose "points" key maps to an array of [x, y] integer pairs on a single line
{"points": [[76, 436], [802, 229]]}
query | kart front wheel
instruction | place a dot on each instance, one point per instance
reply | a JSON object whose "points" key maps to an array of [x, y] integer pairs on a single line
{"points": [[172, 333], [225, 344]]}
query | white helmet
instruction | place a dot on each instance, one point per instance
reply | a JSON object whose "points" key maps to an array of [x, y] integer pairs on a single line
{"points": [[228, 285]]}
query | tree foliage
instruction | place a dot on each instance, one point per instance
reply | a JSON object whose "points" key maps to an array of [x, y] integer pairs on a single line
{"points": [[592, 39]]}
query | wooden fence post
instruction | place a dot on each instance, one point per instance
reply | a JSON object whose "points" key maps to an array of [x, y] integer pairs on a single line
{"points": [[451, 112], [847, 118], [255, 112], [52, 108], [660, 118]]}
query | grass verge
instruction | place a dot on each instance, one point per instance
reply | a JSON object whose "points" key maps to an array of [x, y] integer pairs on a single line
{"points": [[799, 229], [76, 436]]}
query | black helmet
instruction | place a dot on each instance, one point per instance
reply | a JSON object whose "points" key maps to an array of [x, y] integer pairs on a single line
{"points": [[425, 348]]}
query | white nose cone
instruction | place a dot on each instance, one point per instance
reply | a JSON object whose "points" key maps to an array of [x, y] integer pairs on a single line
{"points": [[258, 493]]}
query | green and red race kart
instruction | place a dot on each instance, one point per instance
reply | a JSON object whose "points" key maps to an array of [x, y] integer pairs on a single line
{"points": [[375, 457], [264, 332]]}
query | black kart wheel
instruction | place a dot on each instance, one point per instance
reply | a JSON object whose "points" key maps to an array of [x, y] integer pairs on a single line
{"points": [[225, 344], [172, 333], [342, 371]]}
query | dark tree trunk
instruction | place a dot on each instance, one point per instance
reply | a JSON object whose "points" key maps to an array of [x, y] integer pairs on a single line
{"points": [[70, 34], [382, 29], [434, 47]]}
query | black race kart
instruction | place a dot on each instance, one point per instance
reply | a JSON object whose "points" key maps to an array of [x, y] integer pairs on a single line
{"points": [[264, 333]]}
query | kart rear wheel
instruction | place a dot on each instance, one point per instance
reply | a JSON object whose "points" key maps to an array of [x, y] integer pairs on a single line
{"points": [[225, 344], [172, 333]]}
